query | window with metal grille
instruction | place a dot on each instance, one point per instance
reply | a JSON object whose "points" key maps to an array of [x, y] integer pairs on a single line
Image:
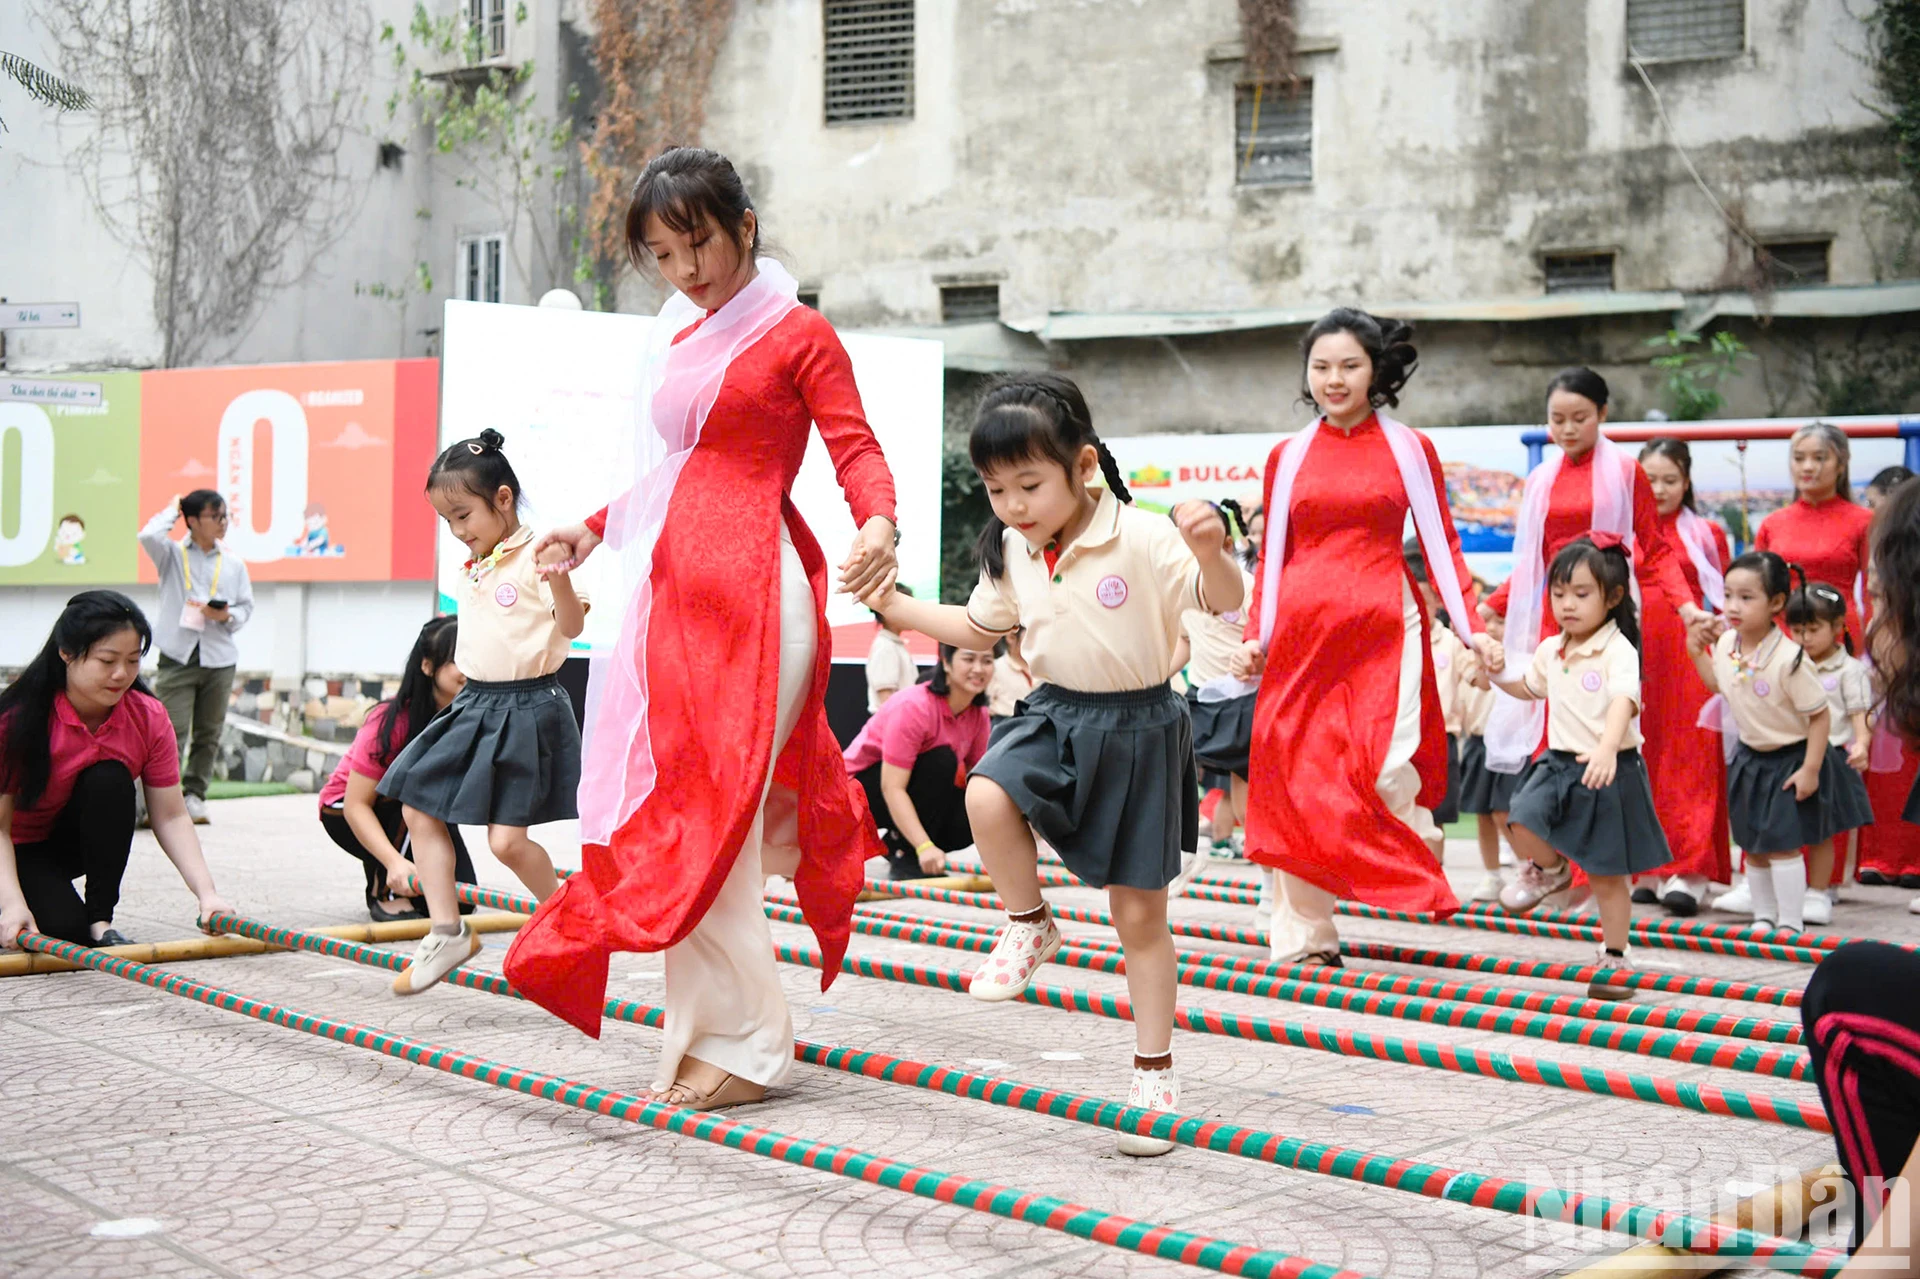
{"points": [[1273, 134], [964, 303], [869, 60], [1679, 30], [487, 28], [1791, 262], [1578, 272], [480, 267]]}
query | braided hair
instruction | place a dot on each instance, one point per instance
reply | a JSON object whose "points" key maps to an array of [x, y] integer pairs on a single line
{"points": [[1033, 417]]}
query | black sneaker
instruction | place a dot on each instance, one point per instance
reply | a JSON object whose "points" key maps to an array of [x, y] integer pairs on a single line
{"points": [[1909, 882], [395, 910], [112, 937], [1643, 895], [1874, 879], [1681, 903]]}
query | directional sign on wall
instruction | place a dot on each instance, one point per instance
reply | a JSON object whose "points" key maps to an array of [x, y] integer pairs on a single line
{"points": [[47, 391], [39, 315]]}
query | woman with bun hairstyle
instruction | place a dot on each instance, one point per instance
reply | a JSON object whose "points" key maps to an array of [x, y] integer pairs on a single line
{"points": [[1685, 763], [1349, 750], [1590, 486], [709, 761]]}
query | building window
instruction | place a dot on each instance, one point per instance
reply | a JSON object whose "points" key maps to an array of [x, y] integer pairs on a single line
{"points": [[809, 297], [969, 303], [1578, 272], [1794, 262], [1273, 134], [480, 267], [869, 60], [1683, 30], [487, 29]]}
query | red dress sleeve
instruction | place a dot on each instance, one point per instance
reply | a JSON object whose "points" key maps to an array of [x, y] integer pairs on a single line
{"points": [[1658, 565], [1469, 596], [823, 375], [1251, 631], [598, 522], [1762, 541]]}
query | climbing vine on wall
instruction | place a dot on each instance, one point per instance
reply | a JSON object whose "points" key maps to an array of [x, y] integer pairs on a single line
{"points": [[655, 59], [1267, 32], [1895, 33]]}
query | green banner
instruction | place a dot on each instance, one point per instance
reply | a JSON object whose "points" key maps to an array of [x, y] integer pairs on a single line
{"points": [[70, 487]]}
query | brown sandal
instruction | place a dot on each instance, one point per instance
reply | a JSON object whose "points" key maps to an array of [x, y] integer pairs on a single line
{"points": [[730, 1091], [1323, 959]]}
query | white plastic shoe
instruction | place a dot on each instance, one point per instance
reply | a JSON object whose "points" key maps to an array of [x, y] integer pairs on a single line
{"points": [[1016, 957], [1737, 901], [1507, 857], [435, 957], [1913, 907], [197, 810], [1816, 908], [1488, 889], [1150, 1090]]}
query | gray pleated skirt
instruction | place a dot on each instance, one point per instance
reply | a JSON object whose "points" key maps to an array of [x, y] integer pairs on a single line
{"points": [[1222, 733], [1766, 816], [1481, 789], [1106, 778], [1610, 831], [503, 754]]}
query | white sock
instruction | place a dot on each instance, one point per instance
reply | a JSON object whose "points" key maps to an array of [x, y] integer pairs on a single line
{"points": [[1790, 886], [1760, 884]]}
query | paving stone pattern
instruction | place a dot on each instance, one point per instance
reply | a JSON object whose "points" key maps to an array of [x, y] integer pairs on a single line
{"points": [[253, 1150]]}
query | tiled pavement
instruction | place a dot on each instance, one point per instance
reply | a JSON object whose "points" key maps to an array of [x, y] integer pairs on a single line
{"points": [[228, 1147]]}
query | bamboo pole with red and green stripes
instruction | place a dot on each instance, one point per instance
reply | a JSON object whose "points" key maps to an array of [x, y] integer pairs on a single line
{"points": [[991, 1198], [1549, 970]]}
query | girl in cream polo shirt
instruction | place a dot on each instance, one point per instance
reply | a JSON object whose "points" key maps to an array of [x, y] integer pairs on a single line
{"points": [[1785, 788], [1099, 759]]}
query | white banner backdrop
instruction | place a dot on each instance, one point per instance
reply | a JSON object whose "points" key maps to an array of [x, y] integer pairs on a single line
{"points": [[559, 385]]}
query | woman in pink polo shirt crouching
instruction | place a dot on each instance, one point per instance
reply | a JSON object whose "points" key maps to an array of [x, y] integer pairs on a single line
{"points": [[913, 758], [77, 728]]}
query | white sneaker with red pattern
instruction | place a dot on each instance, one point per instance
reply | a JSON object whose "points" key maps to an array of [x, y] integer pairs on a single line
{"points": [[1022, 948], [1151, 1090]]}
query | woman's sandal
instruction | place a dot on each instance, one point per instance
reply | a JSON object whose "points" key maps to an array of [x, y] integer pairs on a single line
{"points": [[730, 1091], [1323, 959]]}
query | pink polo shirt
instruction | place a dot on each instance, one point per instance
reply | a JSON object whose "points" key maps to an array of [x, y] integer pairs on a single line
{"points": [[915, 721], [363, 757], [136, 732]]}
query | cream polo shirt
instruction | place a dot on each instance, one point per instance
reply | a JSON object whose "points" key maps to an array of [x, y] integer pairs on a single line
{"points": [[1849, 689], [890, 667], [1475, 706], [507, 627], [1454, 667], [1580, 681], [1212, 641], [1107, 619], [1771, 701]]}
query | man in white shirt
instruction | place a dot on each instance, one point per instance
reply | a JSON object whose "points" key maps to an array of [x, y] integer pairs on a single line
{"points": [[205, 596]]}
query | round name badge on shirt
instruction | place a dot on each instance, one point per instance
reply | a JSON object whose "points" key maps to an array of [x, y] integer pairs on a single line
{"points": [[1112, 591], [506, 595], [1831, 682], [1234, 618], [1761, 688], [1441, 661], [1591, 681]]}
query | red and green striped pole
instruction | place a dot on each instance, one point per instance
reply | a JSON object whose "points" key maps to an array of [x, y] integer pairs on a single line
{"points": [[845, 1161], [1550, 970], [1411, 1176]]}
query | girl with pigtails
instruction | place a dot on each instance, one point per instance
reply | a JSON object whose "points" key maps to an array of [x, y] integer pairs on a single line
{"points": [[1098, 759]]}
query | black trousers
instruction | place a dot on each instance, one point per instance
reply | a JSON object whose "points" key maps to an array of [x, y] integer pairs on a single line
{"points": [[394, 823], [92, 837], [938, 789], [1861, 1012]]}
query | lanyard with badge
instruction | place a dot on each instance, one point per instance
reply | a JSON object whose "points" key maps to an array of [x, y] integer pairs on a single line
{"points": [[191, 618]]}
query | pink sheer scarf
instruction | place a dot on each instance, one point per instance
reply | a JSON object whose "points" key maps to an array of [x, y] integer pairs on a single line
{"points": [[679, 382], [1696, 535], [1415, 478], [1514, 727]]}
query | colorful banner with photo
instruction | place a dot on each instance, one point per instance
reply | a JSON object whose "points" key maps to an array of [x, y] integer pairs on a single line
{"points": [[321, 465]]}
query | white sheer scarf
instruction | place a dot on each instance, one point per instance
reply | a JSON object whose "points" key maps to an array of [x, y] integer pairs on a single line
{"points": [[1696, 535], [678, 385], [1514, 727], [1417, 481]]}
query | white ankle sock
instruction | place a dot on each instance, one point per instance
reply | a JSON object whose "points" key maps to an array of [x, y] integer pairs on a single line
{"points": [[1790, 886], [1760, 885]]}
